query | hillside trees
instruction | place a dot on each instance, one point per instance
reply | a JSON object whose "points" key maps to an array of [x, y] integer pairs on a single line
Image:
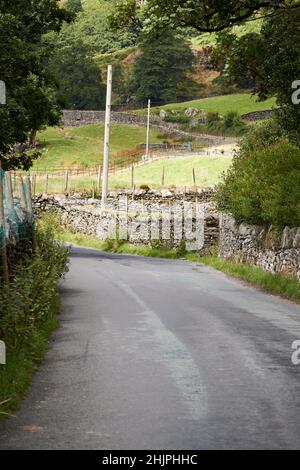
{"points": [[270, 60], [79, 77], [31, 93], [160, 72], [211, 16]]}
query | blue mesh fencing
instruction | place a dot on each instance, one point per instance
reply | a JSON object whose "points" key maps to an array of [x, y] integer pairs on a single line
{"points": [[18, 221]]}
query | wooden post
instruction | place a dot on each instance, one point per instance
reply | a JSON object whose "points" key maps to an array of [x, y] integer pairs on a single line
{"points": [[2, 223], [34, 184], [22, 193], [99, 177], [66, 181], [132, 176], [194, 177], [9, 195], [46, 184], [163, 177], [30, 209]]}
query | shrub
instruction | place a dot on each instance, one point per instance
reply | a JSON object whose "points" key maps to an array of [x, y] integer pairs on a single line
{"points": [[177, 118], [262, 136], [28, 306], [145, 187], [230, 124], [213, 122], [233, 123], [264, 187]]}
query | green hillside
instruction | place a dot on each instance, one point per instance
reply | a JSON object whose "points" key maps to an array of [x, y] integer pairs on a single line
{"points": [[242, 103], [84, 145]]}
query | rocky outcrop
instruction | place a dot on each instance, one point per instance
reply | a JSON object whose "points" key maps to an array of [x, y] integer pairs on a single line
{"points": [[258, 115], [264, 247]]}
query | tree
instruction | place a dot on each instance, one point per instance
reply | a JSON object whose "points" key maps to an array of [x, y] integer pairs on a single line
{"points": [[79, 77], [270, 61], [211, 16], [92, 26], [31, 100], [73, 6], [160, 72]]}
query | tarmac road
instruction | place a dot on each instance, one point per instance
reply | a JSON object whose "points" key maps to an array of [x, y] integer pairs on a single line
{"points": [[162, 354]]}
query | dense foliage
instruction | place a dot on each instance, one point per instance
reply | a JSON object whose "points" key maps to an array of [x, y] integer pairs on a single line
{"points": [[28, 311], [269, 62], [31, 93], [263, 184], [161, 71], [79, 77]]}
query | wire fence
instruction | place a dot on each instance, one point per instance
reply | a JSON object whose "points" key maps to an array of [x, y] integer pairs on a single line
{"points": [[16, 215]]}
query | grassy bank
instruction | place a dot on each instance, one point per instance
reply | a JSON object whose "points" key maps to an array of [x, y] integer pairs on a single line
{"points": [[29, 306], [241, 103], [286, 287], [84, 145]]}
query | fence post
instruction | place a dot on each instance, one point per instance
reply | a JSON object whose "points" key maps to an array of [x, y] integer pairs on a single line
{"points": [[66, 181], [99, 177], [30, 209], [46, 184], [194, 177], [2, 223], [9, 196], [132, 176], [22, 193], [34, 184], [163, 177]]}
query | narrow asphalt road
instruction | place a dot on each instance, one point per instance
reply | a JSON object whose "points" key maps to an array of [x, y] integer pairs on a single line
{"points": [[162, 354]]}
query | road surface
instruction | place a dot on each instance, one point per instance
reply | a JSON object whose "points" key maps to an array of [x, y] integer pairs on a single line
{"points": [[162, 354]]}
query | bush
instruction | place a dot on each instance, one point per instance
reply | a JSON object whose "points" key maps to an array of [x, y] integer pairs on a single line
{"points": [[177, 118], [264, 187], [230, 124], [233, 123], [262, 136]]}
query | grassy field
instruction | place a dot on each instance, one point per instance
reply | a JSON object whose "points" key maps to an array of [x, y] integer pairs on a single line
{"points": [[178, 172], [242, 103], [84, 145]]}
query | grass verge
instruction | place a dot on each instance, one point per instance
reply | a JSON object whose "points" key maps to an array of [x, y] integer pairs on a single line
{"points": [[29, 307], [286, 287]]}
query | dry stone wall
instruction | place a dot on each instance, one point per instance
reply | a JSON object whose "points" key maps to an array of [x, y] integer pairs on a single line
{"points": [[140, 218], [259, 246]]}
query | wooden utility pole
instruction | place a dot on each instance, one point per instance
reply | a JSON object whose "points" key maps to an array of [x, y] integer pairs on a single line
{"points": [[106, 137], [2, 224], [148, 129]]}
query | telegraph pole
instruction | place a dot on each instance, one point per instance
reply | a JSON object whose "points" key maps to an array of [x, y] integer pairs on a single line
{"points": [[106, 137], [148, 129]]}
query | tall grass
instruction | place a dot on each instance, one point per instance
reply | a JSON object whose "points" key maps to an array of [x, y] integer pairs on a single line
{"points": [[29, 305]]}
